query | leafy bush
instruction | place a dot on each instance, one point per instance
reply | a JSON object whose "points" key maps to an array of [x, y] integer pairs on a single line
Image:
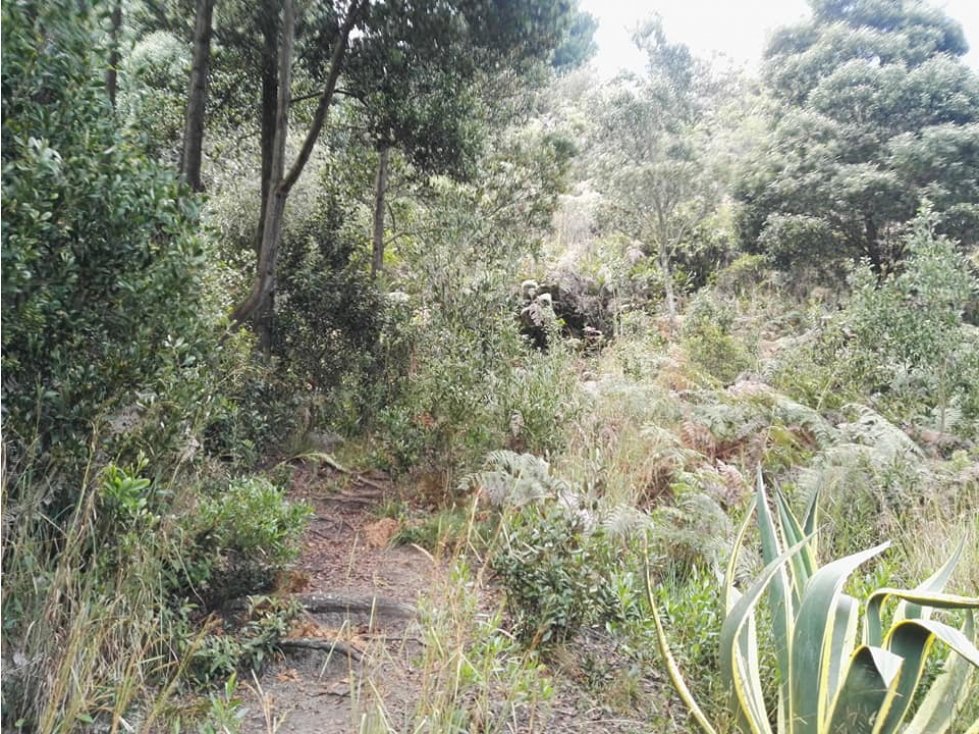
{"points": [[909, 344], [245, 536], [106, 306], [901, 344], [329, 318], [708, 341], [552, 568], [553, 557]]}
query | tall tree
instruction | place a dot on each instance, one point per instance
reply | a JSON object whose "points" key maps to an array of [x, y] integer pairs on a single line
{"points": [[872, 111], [652, 137], [426, 38], [190, 161]]}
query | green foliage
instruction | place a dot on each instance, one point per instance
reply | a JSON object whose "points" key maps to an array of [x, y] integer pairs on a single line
{"points": [[242, 645], [552, 556], [828, 681], [330, 320], [152, 102], [873, 112], [901, 344], [245, 535], [226, 711], [106, 309], [909, 342], [578, 45], [708, 341], [551, 566]]}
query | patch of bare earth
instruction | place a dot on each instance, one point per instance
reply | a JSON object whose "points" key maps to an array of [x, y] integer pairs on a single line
{"points": [[359, 641], [359, 626]]}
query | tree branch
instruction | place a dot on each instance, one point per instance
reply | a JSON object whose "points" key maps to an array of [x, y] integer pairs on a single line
{"points": [[326, 98]]}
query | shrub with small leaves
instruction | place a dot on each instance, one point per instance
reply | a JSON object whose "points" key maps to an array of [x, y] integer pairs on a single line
{"points": [[552, 566], [247, 534]]}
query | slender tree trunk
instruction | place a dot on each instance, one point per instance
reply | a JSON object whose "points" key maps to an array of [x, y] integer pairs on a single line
{"points": [[874, 251], [112, 73], [667, 271], [190, 160], [380, 188], [259, 301], [281, 183], [270, 89]]}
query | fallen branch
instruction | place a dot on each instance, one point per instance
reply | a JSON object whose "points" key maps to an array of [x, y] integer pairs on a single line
{"points": [[335, 465]]}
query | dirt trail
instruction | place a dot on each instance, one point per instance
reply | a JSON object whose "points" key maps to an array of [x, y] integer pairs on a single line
{"points": [[359, 632], [359, 641]]}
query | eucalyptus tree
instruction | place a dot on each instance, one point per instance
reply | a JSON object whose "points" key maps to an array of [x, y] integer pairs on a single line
{"points": [[872, 111]]}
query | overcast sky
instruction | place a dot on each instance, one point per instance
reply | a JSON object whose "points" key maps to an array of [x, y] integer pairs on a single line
{"points": [[735, 28]]}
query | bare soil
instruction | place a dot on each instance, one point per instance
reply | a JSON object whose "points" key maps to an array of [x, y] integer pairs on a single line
{"points": [[359, 641], [364, 632]]}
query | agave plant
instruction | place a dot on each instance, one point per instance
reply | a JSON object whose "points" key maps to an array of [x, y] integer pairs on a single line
{"points": [[832, 679]]}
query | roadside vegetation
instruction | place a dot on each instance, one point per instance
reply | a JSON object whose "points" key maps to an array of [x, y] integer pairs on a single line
{"points": [[638, 358]]}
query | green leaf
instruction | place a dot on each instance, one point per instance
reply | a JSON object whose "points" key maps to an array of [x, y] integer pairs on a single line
{"points": [[949, 692], [869, 677], [843, 641], [912, 642], [780, 596], [915, 602], [737, 669], [909, 609], [813, 641], [676, 677], [803, 564]]}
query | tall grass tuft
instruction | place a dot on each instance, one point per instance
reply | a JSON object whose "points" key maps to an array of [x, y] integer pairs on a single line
{"points": [[84, 639]]}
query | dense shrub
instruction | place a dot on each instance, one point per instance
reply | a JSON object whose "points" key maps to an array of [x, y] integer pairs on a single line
{"points": [[552, 568], [708, 341], [245, 534], [902, 343], [106, 309]]}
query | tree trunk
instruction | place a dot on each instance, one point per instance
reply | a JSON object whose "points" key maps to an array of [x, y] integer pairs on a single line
{"points": [[873, 249], [380, 188], [270, 89], [112, 73], [666, 270], [259, 300], [281, 185], [190, 159]]}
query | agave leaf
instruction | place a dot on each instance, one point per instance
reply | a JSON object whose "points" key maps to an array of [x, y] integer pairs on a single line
{"points": [[812, 641], [747, 639], [676, 677], [804, 564], [949, 692], [954, 638], [731, 594], [933, 584], [843, 641], [739, 670], [909, 609], [780, 596], [869, 678], [915, 602], [912, 642], [809, 521]]}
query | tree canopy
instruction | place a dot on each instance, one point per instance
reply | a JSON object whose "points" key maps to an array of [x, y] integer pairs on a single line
{"points": [[872, 112]]}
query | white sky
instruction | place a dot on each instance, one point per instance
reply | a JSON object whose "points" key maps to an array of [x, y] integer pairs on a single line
{"points": [[734, 28]]}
